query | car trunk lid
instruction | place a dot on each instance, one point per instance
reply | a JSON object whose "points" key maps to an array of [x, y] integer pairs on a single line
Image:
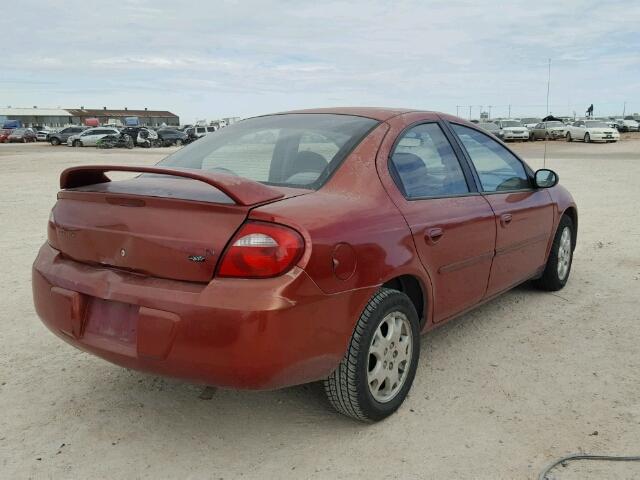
{"points": [[170, 223]]}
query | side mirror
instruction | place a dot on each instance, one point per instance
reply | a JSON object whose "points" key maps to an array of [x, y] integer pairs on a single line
{"points": [[545, 178]]}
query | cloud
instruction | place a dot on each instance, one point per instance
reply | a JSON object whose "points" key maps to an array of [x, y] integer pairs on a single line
{"points": [[207, 59]]}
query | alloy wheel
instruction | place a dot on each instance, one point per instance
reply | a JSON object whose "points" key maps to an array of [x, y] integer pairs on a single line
{"points": [[564, 253], [390, 356]]}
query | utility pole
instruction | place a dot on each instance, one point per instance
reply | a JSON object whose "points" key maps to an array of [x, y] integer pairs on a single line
{"points": [[548, 85], [624, 109], [457, 110], [509, 110], [470, 112], [489, 113]]}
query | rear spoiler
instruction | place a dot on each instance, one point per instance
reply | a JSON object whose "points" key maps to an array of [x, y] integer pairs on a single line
{"points": [[241, 190]]}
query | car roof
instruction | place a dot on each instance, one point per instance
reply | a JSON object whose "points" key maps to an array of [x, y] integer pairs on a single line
{"points": [[376, 113]]}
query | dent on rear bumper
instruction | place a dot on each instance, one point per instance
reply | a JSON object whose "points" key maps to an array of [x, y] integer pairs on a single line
{"points": [[241, 333]]}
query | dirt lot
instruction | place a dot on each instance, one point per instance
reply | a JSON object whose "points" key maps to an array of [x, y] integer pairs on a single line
{"points": [[500, 392]]}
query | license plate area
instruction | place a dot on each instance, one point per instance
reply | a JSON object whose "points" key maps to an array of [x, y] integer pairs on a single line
{"points": [[112, 324]]}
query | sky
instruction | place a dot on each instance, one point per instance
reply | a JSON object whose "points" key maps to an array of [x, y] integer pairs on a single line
{"points": [[207, 60]]}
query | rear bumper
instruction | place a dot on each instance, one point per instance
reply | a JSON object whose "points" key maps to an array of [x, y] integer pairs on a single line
{"points": [[240, 333], [601, 137]]}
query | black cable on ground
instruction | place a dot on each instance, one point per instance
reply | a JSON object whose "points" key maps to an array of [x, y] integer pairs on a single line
{"points": [[583, 456]]}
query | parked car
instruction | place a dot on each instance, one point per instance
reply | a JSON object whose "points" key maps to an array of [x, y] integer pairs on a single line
{"points": [[629, 125], [547, 131], [63, 135], [530, 122], [43, 135], [591, 131], [170, 136], [491, 128], [22, 135], [323, 262], [4, 135], [512, 130], [90, 136]]}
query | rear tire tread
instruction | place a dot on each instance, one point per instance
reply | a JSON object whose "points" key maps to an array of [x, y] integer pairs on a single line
{"points": [[340, 386]]}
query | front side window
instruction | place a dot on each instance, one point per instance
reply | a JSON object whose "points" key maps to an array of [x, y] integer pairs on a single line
{"points": [[497, 167], [425, 165], [299, 150]]}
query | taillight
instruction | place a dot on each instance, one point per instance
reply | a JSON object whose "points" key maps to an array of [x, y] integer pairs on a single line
{"points": [[261, 250]]}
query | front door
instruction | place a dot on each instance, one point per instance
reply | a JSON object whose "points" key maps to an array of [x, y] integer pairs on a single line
{"points": [[523, 214], [452, 224]]}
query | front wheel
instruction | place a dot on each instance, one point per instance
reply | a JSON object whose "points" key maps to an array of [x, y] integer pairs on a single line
{"points": [[587, 138], [380, 363], [558, 267], [569, 139]]}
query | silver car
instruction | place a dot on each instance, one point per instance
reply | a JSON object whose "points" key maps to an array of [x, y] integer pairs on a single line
{"points": [[90, 137]]}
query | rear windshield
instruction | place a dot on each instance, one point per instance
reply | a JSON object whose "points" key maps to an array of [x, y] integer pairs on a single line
{"points": [[297, 150], [511, 123], [597, 124]]}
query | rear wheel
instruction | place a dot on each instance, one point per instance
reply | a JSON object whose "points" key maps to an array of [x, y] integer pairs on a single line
{"points": [[587, 138], [77, 143], [569, 139], [54, 141], [378, 368], [558, 267]]}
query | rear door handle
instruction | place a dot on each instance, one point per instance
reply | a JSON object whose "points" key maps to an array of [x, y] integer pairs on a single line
{"points": [[505, 219], [433, 235]]}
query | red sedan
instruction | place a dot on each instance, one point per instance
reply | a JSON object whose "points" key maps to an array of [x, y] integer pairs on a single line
{"points": [[4, 135], [305, 246], [22, 135]]}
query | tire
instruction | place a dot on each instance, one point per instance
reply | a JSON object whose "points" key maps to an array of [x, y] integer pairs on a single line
{"points": [[178, 143], [555, 275], [55, 142], [587, 138], [546, 137], [569, 139], [348, 387], [77, 143]]}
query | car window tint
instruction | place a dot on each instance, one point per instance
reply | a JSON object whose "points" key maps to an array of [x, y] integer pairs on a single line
{"points": [[318, 143], [248, 156], [426, 165], [497, 167], [299, 150]]}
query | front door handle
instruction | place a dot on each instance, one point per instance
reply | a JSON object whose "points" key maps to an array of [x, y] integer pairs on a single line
{"points": [[505, 219], [434, 235]]}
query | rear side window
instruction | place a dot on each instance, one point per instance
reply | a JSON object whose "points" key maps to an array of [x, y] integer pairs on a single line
{"points": [[299, 150], [497, 167], [425, 165]]}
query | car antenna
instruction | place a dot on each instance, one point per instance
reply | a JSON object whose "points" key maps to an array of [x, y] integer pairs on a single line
{"points": [[546, 137]]}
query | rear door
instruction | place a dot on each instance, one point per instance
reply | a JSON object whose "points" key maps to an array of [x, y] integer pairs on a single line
{"points": [[452, 224], [523, 214]]}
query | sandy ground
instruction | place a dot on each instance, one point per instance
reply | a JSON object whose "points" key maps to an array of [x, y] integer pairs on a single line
{"points": [[499, 393]]}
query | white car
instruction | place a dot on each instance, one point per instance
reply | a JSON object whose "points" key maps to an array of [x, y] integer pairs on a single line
{"points": [[530, 122], [42, 135], [512, 130], [629, 125], [90, 137], [591, 131]]}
